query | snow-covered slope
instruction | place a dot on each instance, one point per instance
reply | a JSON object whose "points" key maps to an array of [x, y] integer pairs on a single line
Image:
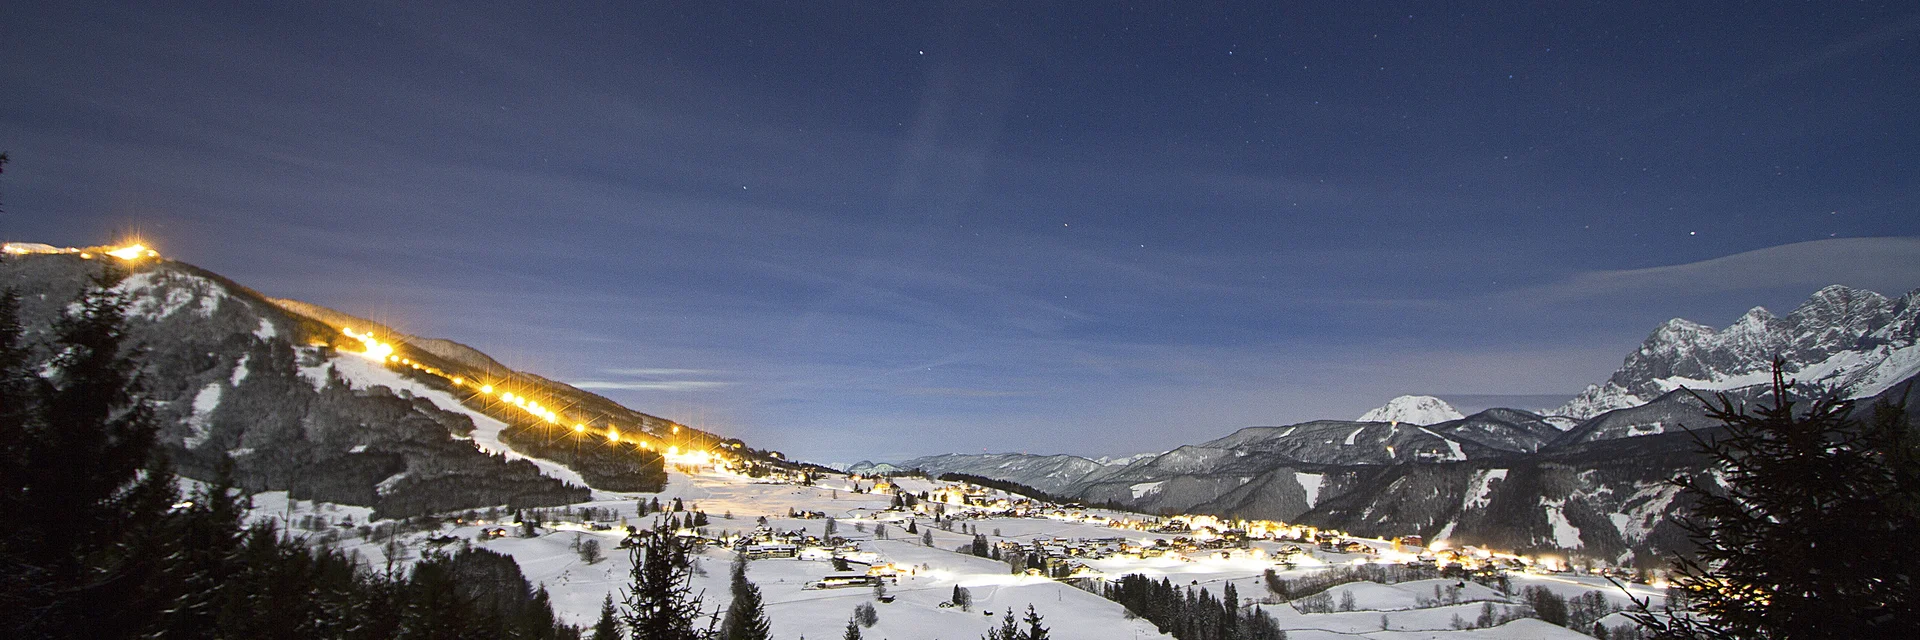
{"points": [[1853, 340], [1420, 410], [231, 375]]}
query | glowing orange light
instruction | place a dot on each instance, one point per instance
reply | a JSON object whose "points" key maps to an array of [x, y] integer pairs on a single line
{"points": [[486, 388], [374, 349], [130, 252]]}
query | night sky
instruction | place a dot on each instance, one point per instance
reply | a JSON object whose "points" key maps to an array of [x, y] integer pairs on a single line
{"points": [[877, 229]]}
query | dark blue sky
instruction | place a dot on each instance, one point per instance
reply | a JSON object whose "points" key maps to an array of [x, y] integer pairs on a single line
{"points": [[873, 230]]}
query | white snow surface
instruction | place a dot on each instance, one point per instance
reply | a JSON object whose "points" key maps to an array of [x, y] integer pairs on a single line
{"points": [[1399, 604], [1565, 535], [1482, 484], [156, 294], [239, 371], [203, 405], [1420, 410], [1144, 488], [1311, 483], [1454, 452]]}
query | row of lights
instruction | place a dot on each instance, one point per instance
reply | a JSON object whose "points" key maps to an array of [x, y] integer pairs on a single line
{"points": [[383, 352], [129, 253]]}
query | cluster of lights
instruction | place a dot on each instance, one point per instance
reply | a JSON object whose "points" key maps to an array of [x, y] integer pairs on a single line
{"points": [[1469, 556], [533, 408], [374, 349]]}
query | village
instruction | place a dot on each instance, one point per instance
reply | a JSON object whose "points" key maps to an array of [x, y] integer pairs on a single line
{"points": [[907, 543]]}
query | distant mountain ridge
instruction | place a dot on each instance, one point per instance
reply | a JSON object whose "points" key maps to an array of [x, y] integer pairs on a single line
{"points": [[1856, 341], [1596, 485], [1049, 473]]}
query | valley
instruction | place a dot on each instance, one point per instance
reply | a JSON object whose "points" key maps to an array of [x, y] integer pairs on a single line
{"points": [[923, 576], [1416, 520]]}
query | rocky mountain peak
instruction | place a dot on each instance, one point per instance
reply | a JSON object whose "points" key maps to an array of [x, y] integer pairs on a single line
{"points": [[1755, 321], [1840, 336], [1834, 319]]}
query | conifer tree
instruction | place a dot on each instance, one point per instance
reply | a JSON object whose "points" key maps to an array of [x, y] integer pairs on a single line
{"points": [[853, 629], [1009, 628], [608, 626], [1034, 630], [208, 540], [1808, 537], [746, 617], [18, 585], [85, 496], [660, 603], [432, 605]]}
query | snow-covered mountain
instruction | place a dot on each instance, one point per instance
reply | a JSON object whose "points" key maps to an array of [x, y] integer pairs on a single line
{"points": [[1418, 410], [278, 387], [1856, 341]]}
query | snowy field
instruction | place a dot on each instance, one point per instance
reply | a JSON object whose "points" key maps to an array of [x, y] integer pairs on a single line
{"points": [[733, 503]]}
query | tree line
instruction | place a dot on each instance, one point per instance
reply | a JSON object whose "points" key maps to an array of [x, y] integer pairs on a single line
{"points": [[1190, 613]]}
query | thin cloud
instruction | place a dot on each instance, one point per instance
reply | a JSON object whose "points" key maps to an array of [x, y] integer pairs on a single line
{"points": [[1887, 265], [654, 385], [646, 372], [960, 392]]}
